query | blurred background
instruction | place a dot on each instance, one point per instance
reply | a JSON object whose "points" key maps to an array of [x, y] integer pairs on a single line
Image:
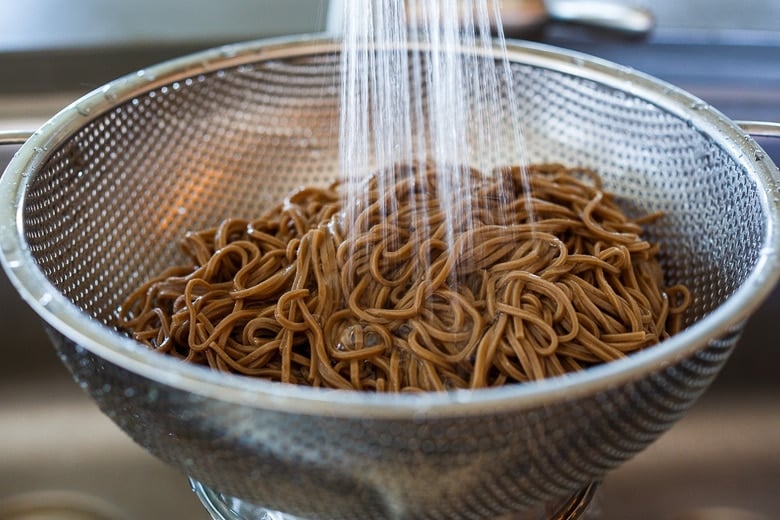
{"points": [[57, 451]]}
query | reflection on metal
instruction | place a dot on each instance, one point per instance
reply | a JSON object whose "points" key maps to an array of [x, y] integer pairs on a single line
{"points": [[221, 507], [14, 136], [761, 128]]}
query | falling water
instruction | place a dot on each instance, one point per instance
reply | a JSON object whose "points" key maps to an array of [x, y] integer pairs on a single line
{"points": [[426, 83]]}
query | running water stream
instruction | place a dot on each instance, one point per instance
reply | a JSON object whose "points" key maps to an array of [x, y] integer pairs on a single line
{"points": [[421, 86]]}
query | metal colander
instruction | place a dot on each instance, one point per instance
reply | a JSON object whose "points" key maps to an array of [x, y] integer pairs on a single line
{"points": [[97, 199]]}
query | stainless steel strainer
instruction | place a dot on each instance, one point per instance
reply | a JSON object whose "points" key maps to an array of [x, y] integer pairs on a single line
{"points": [[96, 200]]}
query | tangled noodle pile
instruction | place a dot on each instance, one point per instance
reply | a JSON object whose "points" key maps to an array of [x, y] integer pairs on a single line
{"points": [[520, 292]]}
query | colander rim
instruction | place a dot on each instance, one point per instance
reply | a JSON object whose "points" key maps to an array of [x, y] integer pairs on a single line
{"points": [[65, 317]]}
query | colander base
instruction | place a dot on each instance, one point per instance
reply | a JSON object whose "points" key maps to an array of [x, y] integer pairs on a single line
{"points": [[224, 507]]}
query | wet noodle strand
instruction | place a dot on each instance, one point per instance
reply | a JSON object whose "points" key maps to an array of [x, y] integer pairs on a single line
{"points": [[395, 308]]}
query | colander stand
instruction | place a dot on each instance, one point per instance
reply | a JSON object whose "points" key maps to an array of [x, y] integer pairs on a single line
{"points": [[222, 507]]}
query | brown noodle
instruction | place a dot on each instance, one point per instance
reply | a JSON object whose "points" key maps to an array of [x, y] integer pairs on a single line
{"points": [[288, 298]]}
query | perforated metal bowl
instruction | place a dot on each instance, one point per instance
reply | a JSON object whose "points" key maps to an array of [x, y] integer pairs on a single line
{"points": [[96, 200]]}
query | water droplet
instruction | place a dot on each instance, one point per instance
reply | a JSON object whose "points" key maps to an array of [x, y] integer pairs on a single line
{"points": [[347, 338], [108, 93], [45, 299], [145, 74], [759, 154], [8, 247], [228, 52], [83, 110]]}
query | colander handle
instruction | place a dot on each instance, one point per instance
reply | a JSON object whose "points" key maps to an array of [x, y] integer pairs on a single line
{"points": [[760, 128], [14, 136]]}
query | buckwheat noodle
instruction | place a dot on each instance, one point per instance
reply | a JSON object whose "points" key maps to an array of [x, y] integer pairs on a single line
{"points": [[522, 292]]}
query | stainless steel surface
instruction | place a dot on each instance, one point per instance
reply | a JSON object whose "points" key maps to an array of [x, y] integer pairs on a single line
{"points": [[761, 128], [521, 18], [220, 507], [230, 432], [44, 25], [56, 441], [14, 136], [48, 45], [623, 18]]}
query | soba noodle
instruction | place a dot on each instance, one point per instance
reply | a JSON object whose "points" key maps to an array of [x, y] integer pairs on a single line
{"points": [[521, 292]]}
